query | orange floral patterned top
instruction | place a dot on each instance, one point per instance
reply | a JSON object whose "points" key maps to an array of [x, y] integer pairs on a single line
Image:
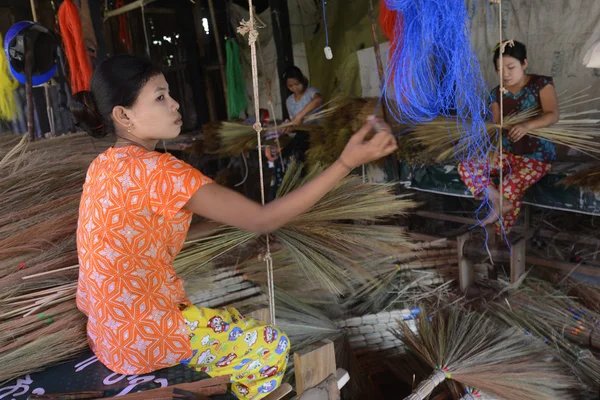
{"points": [[131, 226]]}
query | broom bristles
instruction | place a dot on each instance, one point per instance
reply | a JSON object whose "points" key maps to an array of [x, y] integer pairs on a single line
{"points": [[472, 349]]}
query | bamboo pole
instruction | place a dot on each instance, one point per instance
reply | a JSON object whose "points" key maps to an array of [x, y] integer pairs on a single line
{"points": [[215, 28]]}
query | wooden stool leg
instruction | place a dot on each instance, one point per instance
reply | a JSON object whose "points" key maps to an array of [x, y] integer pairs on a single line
{"points": [[465, 266], [517, 260], [313, 364]]}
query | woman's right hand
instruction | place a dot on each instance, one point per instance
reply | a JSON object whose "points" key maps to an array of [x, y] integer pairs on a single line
{"points": [[358, 151]]}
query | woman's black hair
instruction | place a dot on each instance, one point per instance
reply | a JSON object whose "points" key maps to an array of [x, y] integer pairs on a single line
{"points": [[117, 81], [294, 72], [518, 51]]}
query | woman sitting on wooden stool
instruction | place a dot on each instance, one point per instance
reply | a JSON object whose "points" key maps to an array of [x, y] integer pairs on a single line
{"points": [[135, 212], [525, 159]]}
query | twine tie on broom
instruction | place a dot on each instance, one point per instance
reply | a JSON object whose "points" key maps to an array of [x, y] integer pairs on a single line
{"points": [[426, 387], [249, 28]]}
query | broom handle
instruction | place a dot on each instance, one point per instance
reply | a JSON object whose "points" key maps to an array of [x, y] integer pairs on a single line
{"points": [[426, 387]]}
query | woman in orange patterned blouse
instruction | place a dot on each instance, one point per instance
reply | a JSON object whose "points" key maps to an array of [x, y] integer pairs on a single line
{"points": [[134, 215]]}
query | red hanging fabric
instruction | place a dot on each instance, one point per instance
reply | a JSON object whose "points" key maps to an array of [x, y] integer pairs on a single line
{"points": [[392, 26], [80, 67], [124, 36]]}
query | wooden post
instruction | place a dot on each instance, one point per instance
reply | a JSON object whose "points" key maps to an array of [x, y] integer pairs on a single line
{"points": [[517, 260], [465, 266], [313, 365], [377, 51], [29, 87], [280, 19], [210, 94], [215, 29], [261, 314]]}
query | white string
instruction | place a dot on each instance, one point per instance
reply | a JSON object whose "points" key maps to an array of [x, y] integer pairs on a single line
{"points": [[249, 27], [501, 102]]}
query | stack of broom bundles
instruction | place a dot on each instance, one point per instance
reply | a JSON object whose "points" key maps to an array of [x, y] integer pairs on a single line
{"points": [[41, 186], [374, 332], [546, 313]]}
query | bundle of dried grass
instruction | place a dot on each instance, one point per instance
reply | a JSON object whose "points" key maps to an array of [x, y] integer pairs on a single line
{"points": [[519, 305], [233, 138], [543, 302], [586, 294], [472, 349], [328, 250], [588, 179], [441, 137]]}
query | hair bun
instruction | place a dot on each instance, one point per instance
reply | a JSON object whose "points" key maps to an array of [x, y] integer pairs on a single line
{"points": [[83, 107]]}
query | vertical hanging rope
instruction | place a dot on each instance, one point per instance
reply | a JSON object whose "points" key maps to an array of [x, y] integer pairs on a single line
{"points": [[501, 100], [80, 67], [249, 27], [501, 91]]}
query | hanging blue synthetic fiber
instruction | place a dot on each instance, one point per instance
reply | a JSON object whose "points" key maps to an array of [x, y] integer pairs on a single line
{"points": [[236, 87], [435, 72]]}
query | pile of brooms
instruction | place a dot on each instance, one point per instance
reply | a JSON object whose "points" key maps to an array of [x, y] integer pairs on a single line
{"points": [[41, 185]]}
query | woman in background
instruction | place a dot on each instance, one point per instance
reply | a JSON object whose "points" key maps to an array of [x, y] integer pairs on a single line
{"points": [[303, 101]]}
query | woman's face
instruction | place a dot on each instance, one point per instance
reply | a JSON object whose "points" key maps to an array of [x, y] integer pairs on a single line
{"points": [[155, 114], [512, 70], [295, 86]]}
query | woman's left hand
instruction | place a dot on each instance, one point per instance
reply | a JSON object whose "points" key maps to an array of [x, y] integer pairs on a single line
{"points": [[517, 132]]}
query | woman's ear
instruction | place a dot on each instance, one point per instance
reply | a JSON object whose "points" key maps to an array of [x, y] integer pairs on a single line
{"points": [[525, 64], [121, 117]]}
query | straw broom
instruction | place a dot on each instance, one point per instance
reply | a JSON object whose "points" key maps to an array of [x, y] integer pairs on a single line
{"points": [[565, 315], [322, 244], [233, 138], [442, 136], [508, 310], [583, 363], [472, 349]]}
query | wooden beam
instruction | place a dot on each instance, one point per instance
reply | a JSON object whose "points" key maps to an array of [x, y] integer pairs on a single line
{"points": [[517, 260], [313, 364], [215, 30], [465, 266], [475, 248], [545, 233], [129, 7]]}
